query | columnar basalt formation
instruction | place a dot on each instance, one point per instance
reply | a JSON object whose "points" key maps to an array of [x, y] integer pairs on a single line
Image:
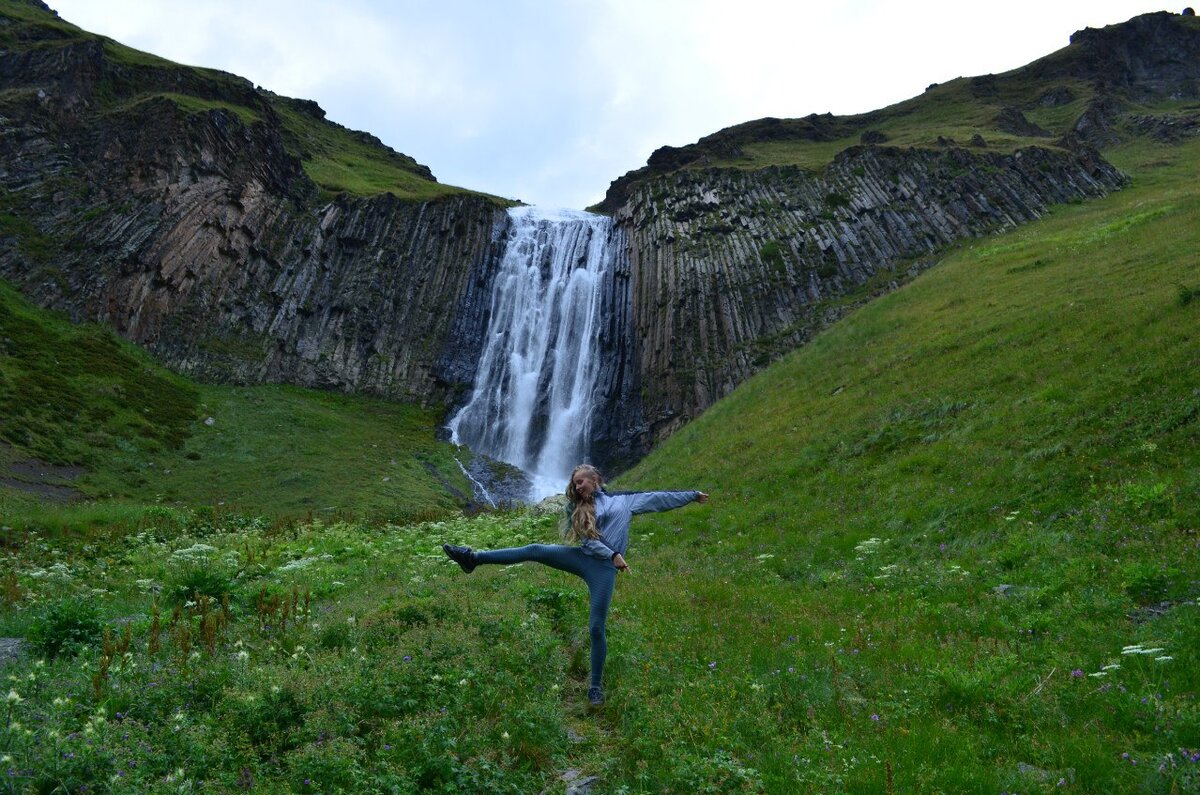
{"points": [[733, 268], [168, 202]]}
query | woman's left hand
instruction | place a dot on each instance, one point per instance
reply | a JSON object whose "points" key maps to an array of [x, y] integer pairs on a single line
{"points": [[619, 561], [701, 497]]}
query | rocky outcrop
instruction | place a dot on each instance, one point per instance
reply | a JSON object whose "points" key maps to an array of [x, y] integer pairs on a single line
{"points": [[172, 203], [727, 144], [1152, 55], [731, 269]]}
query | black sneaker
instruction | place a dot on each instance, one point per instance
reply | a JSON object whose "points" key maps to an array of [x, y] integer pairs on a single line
{"points": [[595, 696], [463, 556]]}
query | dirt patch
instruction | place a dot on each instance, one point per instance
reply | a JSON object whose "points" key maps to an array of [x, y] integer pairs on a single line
{"points": [[49, 481]]}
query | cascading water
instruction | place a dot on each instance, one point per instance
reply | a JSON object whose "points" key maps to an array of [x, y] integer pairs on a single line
{"points": [[536, 384]]}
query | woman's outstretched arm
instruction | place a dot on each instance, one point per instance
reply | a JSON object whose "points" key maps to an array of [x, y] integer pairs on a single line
{"points": [[655, 501]]}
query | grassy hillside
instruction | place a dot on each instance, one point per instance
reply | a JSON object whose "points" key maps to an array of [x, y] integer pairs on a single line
{"points": [[951, 548], [86, 415], [949, 515]]}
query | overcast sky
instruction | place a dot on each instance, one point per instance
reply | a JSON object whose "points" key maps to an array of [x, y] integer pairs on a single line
{"points": [[548, 101]]}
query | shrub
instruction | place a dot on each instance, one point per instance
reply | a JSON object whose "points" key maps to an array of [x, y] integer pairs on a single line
{"points": [[771, 254], [200, 570], [65, 627]]}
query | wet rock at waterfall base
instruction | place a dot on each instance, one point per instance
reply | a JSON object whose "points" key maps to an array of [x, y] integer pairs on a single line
{"points": [[495, 484]]}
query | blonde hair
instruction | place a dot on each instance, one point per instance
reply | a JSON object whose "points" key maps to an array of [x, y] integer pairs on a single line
{"points": [[581, 523]]}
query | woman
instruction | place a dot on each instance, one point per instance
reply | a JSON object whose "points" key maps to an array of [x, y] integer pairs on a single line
{"points": [[599, 523]]}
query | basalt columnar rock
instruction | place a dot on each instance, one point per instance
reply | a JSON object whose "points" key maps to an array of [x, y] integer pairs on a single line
{"points": [[173, 204], [732, 268]]}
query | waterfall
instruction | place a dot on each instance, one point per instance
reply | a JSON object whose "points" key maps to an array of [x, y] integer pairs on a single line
{"points": [[536, 385]]}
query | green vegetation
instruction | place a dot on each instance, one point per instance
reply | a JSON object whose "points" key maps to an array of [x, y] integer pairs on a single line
{"points": [[77, 396], [338, 161], [190, 104], [951, 546]]}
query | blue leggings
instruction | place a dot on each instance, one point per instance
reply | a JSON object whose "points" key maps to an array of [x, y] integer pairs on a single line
{"points": [[600, 576]]}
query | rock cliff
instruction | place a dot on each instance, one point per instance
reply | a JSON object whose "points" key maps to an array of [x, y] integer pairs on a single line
{"points": [[733, 268], [174, 204]]}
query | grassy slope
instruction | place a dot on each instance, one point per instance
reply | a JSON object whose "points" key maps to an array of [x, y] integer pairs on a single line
{"points": [[1024, 414], [76, 395]]}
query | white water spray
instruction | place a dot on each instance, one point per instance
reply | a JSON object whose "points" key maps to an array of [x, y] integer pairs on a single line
{"points": [[535, 388]]}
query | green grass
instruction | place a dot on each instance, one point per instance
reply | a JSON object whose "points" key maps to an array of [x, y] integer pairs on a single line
{"points": [[191, 105], [290, 451], [78, 396], [339, 162], [949, 110], [1024, 415]]}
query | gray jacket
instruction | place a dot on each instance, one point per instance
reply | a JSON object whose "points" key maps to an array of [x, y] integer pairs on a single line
{"points": [[615, 511]]}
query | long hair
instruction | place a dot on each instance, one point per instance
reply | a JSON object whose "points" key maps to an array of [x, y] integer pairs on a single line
{"points": [[581, 523]]}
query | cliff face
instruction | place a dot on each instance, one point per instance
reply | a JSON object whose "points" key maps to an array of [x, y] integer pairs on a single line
{"points": [[187, 221], [732, 268]]}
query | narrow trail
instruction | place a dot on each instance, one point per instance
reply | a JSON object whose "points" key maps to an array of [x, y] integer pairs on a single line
{"points": [[590, 732]]}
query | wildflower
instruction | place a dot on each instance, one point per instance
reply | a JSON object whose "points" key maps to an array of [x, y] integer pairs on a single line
{"points": [[875, 717], [1164, 658], [712, 666], [408, 658], [504, 736], [1111, 667], [1077, 673]]}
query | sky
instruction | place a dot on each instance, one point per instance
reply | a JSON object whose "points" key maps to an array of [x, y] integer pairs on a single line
{"points": [[548, 101]]}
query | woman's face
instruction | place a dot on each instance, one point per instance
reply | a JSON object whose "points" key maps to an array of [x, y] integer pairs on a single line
{"points": [[586, 484]]}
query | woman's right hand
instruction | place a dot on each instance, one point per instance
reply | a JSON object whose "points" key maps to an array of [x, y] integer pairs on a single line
{"points": [[619, 561]]}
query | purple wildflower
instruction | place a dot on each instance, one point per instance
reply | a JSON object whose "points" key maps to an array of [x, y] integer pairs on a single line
{"points": [[875, 716], [712, 666], [1077, 673]]}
